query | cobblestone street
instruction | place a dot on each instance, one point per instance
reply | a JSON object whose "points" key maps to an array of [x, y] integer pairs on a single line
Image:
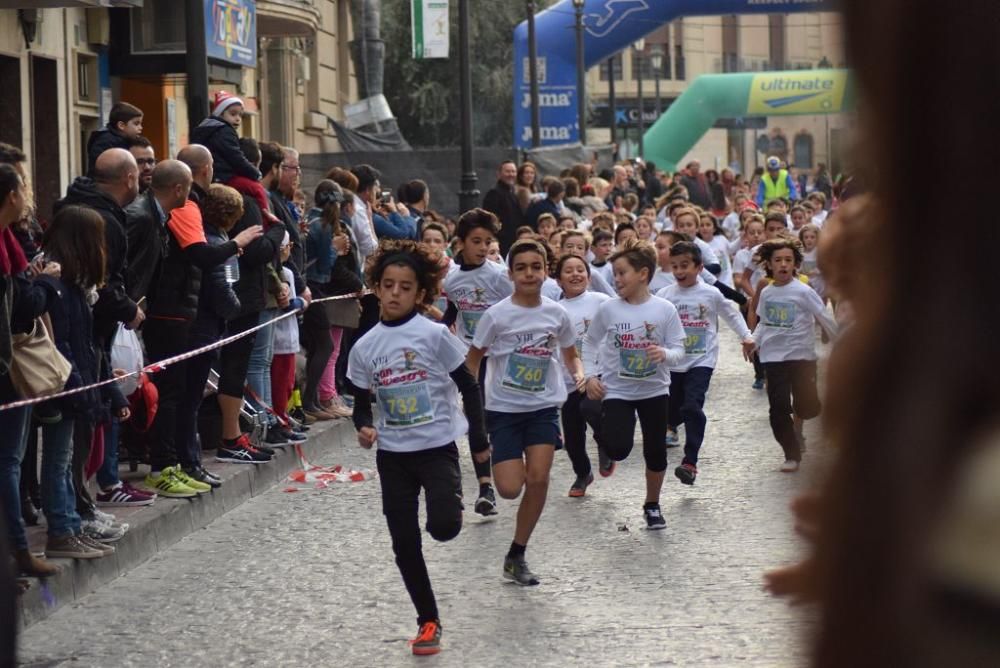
{"points": [[308, 578]]}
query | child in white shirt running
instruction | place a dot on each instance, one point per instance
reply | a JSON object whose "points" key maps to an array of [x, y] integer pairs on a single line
{"points": [[699, 307], [786, 340], [524, 390], [477, 285], [636, 337], [411, 367], [581, 304]]}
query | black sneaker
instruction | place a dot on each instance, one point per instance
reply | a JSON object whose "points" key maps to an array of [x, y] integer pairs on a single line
{"points": [[605, 465], [486, 504], [654, 518], [275, 438], [241, 452], [579, 487], [516, 569], [686, 473], [291, 436], [201, 475]]}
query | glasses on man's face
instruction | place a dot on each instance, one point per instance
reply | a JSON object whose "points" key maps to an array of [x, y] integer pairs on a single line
{"points": [[292, 168]]}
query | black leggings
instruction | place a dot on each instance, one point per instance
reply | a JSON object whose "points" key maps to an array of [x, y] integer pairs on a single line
{"points": [[618, 426], [234, 358], [577, 413], [319, 346], [791, 388], [402, 475]]}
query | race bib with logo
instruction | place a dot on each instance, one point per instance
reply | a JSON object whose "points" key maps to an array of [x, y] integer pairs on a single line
{"points": [[695, 340], [779, 314], [526, 373], [405, 406], [635, 364], [470, 319]]}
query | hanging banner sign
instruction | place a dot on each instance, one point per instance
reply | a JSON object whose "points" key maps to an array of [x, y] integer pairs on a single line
{"points": [[231, 31], [430, 28]]}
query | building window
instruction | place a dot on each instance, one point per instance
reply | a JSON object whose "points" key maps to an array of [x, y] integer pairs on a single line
{"points": [[680, 66], [776, 41], [617, 60], [158, 27], [87, 85], [731, 43], [803, 147]]}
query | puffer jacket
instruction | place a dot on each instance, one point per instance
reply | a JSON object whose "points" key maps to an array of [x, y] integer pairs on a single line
{"points": [[222, 140]]}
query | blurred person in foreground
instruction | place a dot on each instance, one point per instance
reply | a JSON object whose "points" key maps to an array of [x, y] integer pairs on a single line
{"points": [[906, 528]]}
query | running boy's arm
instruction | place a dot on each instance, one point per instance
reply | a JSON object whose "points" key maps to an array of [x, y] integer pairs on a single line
{"points": [[474, 359], [362, 417], [672, 351], [733, 319], [752, 314], [575, 364], [818, 309], [472, 404]]}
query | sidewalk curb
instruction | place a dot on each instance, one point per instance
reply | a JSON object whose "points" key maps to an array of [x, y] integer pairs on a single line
{"points": [[155, 528]]}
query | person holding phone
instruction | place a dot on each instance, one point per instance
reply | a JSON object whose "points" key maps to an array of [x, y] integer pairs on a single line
{"points": [[392, 219]]}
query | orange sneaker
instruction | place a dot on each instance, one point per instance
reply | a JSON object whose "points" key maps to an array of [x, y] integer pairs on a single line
{"points": [[428, 640]]}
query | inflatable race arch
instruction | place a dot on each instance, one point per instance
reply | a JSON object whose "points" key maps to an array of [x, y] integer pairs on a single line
{"points": [[609, 27], [714, 96]]}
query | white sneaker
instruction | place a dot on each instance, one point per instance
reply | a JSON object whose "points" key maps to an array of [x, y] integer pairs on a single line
{"points": [[102, 532], [108, 520], [790, 466]]}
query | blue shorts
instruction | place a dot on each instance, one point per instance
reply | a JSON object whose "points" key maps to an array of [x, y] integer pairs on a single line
{"points": [[511, 433]]}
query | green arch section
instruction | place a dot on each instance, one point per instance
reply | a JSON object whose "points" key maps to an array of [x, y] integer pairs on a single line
{"points": [[715, 96]]}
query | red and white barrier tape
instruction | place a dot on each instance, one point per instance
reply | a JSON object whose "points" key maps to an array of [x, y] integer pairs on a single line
{"points": [[321, 477], [163, 364]]}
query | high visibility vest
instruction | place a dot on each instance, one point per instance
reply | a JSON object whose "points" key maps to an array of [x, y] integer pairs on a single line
{"points": [[777, 190]]}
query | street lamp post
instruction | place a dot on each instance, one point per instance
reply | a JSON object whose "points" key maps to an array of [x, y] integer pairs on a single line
{"points": [[637, 66], [656, 60], [581, 80], [536, 123], [468, 194], [611, 98]]}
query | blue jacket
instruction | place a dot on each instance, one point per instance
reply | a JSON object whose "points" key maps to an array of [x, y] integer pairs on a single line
{"points": [[72, 323], [544, 205], [320, 255], [395, 227]]}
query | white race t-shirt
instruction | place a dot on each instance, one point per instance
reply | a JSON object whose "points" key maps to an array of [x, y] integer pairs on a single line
{"points": [[551, 289], [474, 290], [599, 284], [581, 310], [721, 247], [785, 328], [811, 269], [620, 334], [523, 372], [699, 308], [407, 369], [731, 225], [606, 271], [661, 279]]}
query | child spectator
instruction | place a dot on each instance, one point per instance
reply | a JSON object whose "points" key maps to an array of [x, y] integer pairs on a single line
{"points": [[124, 125]]}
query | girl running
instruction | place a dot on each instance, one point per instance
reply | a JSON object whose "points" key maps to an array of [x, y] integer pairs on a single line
{"points": [[784, 334], [524, 390], [710, 231], [636, 337], [411, 367], [574, 276], [809, 236]]}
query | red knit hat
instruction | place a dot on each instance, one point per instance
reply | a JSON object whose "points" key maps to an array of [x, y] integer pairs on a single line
{"points": [[223, 101]]}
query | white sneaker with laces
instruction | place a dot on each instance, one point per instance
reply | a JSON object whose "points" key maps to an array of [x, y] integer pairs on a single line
{"points": [[790, 466]]}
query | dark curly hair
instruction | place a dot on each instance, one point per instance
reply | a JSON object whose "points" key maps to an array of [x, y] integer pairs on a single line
{"points": [[769, 248], [425, 263]]}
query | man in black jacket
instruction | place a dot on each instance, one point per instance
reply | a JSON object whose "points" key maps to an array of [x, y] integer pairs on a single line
{"points": [[172, 306], [114, 186], [502, 202]]}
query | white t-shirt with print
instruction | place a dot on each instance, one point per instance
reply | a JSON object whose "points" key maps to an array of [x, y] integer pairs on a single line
{"points": [[581, 310], [699, 308], [606, 271], [407, 369], [661, 279], [785, 330], [621, 333], [551, 289], [472, 291], [523, 372]]}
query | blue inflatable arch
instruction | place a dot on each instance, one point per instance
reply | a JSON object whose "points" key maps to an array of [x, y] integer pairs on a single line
{"points": [[609, 27]]}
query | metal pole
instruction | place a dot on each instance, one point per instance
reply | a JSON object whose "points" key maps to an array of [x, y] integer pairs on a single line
{"points": [[611, 99], [659, 105], [536, 123], [637, 64], [581, 78], [468, 194], [196, 62]]}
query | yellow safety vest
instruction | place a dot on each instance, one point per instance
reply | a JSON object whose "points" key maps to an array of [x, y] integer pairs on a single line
{"points": [[777, 190]]}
